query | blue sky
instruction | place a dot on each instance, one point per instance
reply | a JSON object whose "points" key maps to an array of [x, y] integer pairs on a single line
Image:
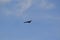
{"points": [[45, 15]]}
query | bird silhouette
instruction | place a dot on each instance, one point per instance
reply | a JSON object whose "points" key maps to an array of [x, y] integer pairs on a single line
{"points": [[28, 21]]}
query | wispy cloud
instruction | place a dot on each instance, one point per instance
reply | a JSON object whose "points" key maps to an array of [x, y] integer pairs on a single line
{"points": [[18, 7], [46, 5], [25, 5]]}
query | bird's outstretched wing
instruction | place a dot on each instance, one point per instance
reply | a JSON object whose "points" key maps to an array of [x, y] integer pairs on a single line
{"points": [[28, 21]]}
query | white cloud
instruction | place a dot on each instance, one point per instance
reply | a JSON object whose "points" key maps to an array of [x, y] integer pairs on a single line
{"points": [[46, 5], [24, 5], [18, 7]]}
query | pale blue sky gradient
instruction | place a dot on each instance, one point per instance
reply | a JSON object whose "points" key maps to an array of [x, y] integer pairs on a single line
{"points": [[45, 15]]}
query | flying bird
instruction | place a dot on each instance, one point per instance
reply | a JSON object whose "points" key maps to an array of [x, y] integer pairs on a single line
{"points": [[28, 21]]}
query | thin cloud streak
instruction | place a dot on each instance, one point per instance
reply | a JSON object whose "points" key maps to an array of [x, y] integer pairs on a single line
{"points": [[20, 7], [25, 5]]}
